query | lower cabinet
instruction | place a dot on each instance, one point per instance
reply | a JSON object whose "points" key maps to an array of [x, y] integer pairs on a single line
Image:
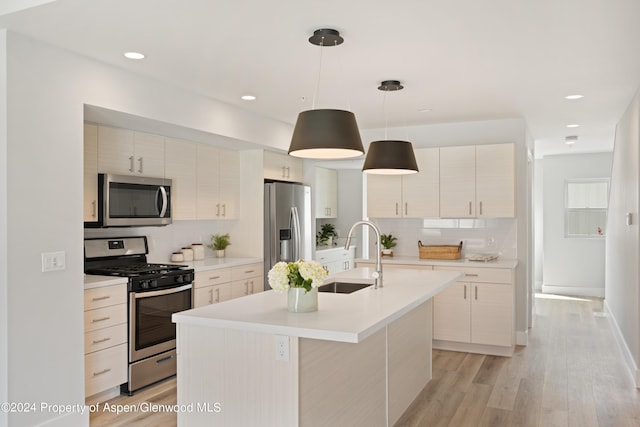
{"points": [[105, 338], [336, 259], [214, 286], [477, 310]]}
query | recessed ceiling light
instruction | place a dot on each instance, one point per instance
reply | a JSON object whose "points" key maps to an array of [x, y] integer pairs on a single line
{"points": [[248, 97], [134, 55], [575, 125], [571, 139], [424, 110], [576, 96]]}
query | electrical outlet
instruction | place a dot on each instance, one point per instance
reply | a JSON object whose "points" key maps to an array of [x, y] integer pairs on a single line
{"points": [[52, 261], [282, 348]]}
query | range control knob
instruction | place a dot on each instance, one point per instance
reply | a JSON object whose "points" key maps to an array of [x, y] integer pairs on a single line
{"points": [[179, 278], [144, 284], [154, 283]]}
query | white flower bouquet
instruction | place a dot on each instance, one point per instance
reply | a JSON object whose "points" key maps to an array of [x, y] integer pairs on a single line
{"points": [[299, 274]]}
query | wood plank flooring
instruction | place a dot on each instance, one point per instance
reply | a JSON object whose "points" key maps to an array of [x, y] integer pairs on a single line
{"points": [[571, 374]]}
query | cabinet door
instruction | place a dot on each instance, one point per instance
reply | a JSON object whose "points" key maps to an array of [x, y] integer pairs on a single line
{"points": [[274, 166], [229, 183], [491, 314], [294, 169], [384, 196], [180, 167], [115, 151], [211, 295], [326, 193], [457, 182], [90, 173], [148, 154], [207, 190], [421, 191], [452, 313], [495, 180]]}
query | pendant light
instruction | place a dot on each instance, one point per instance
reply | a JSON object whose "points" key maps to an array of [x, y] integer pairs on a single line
{"points": [[326, 133], [390, 157]]}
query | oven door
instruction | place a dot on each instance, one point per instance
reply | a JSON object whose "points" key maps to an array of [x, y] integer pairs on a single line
{"points": [[151, 330]]}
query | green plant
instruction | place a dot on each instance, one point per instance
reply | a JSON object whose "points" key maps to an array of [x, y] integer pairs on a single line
{"points": [[326, 231], [388, 241], [219, 242]]}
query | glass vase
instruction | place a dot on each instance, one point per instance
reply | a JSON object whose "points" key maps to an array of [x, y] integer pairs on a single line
{"points": [[301, 301]]}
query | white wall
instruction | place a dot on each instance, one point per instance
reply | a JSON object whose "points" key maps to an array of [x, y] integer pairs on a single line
{"points": [[622, 289], [46, 91], [538, 206], [4, 386], [571, 265]]}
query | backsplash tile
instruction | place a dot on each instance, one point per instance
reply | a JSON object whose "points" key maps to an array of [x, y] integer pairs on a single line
{"points": [[478, 235]]}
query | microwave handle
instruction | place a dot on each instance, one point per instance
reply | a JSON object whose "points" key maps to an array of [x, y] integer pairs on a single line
{"points": [[163, 192]]}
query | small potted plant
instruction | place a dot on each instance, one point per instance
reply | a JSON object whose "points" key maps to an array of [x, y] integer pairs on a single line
{"points": [[325, 235], [388, 242], [219, 243]]}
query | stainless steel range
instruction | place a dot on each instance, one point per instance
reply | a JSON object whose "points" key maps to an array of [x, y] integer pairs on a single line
{"points": [[156, 291]]}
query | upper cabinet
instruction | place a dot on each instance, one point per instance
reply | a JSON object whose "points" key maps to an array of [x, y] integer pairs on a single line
{"points": [[407, 196], [326, 193], [282, 167], [126, 152], [218, 183], [90, 173], [477, 181]]}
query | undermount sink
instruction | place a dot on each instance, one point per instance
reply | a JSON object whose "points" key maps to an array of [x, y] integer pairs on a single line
{"points": [[342, 287]]}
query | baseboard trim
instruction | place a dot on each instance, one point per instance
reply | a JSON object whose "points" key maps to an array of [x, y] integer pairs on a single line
{"points": [[70, 419], [622, 343], [573, 291], [522, 337], [493, 350]]}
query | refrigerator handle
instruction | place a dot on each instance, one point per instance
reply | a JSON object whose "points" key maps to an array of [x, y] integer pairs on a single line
{"points": [[295, 226]]}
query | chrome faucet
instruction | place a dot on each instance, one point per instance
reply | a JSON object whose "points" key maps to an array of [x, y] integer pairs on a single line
{"points": [[378, 273]]}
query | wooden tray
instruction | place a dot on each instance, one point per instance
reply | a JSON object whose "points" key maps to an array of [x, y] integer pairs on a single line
{"points": [[440, 251]]}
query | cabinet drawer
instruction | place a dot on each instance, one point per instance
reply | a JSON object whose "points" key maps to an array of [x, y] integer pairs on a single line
{"points": [[105, 338], [212, 277], [105, 369], [105, 296], [105, 317], [483, 275], [245, 271]]}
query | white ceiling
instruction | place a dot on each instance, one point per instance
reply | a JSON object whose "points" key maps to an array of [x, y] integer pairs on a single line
{"points": [[466, 60]]}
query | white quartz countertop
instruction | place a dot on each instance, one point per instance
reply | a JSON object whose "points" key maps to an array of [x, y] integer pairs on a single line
{"points": [[340, 317], [93, 281], [463, 262]]}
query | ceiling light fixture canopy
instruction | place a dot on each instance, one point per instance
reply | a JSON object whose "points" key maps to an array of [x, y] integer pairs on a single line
{"points": [[326, 133], [390, 157]]}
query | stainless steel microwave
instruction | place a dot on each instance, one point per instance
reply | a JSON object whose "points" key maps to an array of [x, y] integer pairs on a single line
{"points": [[132, 201]]}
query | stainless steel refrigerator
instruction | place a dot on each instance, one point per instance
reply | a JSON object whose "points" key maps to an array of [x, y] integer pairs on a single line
{"points": [[287, 224]]}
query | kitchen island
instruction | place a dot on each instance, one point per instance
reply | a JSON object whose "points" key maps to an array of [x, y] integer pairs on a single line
{"points": [[360, 359]]}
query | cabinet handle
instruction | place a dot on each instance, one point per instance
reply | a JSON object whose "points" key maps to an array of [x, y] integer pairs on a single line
{"points": [[140, 161], [406, 208], [104, 371], [102, 319], [288, 172], [101, 298], [224, 209], [94, 209], [248, 271], [284, 169], [396, 208], [214, 277], [218, 209], [102, 340], [465, 292], [217, 294], [210, 296], [131, 164], [470, 275], [476, 293], [469, 208], [252, 290], [480, 208]]}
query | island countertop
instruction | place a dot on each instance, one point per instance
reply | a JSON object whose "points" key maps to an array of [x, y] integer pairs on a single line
{"points": [[340, 317]]}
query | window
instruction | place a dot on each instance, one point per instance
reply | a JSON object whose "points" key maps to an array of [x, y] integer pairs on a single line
{"points": [[586, 207]]}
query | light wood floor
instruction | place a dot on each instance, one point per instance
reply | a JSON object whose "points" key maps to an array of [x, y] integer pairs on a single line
{"points": [[571, 374]]}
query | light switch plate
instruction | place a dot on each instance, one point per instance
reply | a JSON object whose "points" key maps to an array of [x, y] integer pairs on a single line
{"points": [[53, 261]]}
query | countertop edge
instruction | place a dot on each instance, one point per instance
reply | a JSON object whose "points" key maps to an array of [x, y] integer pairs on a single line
{"points": [[499, 263]]}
